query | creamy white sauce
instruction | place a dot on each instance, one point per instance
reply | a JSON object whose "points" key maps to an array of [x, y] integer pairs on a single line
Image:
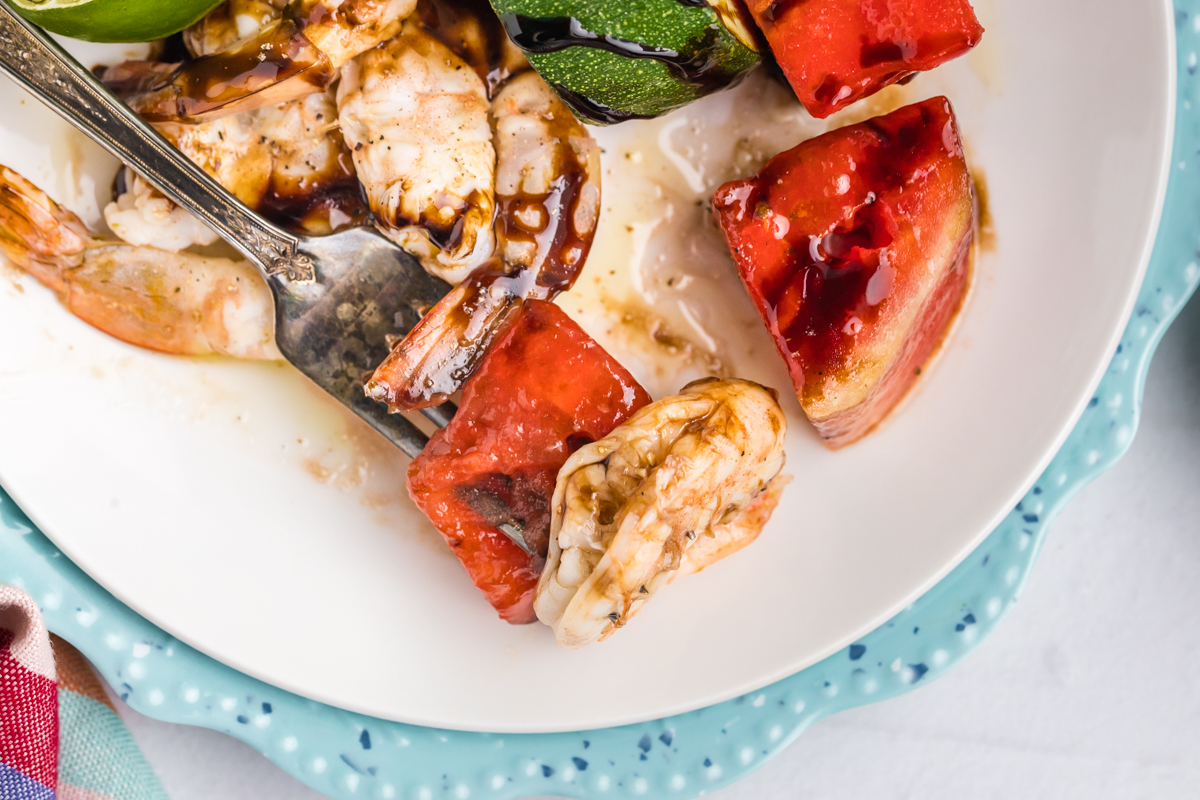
{"points": [[660, 290]]}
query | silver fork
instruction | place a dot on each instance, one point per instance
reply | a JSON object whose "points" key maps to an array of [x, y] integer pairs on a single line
{"points": [[339, 299]]}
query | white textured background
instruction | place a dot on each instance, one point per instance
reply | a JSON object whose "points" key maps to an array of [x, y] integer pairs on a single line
{"points": [[1090, 689]]}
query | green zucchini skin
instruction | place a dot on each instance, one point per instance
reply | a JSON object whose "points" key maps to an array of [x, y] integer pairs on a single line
{"points": [[613, 60]]}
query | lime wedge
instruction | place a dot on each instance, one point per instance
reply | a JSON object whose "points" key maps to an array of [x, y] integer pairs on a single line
{"points": [[113, 20]]}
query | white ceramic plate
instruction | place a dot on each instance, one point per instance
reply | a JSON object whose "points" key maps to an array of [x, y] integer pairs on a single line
{"points": [[240, 510]]}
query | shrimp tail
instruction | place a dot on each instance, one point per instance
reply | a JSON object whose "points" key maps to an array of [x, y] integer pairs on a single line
{"points": [[437, 356], [38, 235], [180, 303]]}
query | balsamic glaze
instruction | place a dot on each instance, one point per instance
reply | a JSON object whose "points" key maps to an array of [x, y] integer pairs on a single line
{"points": [[593, 110], [430, 365], [472, 30], [837, 283], [312, 209], [195, 88], [773, 11]]}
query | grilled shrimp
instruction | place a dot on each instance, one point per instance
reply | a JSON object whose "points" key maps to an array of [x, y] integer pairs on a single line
{"points": [[141, 215], [416, 119], [171, 302], [473, 31], [548, 192], [230, 23], [287, 162], [296, 53], [697, 471]]}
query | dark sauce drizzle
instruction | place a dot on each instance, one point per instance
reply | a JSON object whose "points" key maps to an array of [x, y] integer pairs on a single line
{"points": [[312, 209], [775, 10], [589, 108], [188, 91], [473, 31], [426, 368], [840, 281]]}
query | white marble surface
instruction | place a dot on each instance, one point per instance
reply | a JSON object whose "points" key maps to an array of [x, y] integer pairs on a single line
{"points": [[1090, 689]]}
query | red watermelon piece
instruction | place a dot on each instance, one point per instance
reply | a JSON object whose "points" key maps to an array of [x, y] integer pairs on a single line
{"points": [[545, 390], [836, 52], [855, 247]]}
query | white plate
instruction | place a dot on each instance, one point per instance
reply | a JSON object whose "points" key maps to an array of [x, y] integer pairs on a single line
{"points": [[240, 510]]}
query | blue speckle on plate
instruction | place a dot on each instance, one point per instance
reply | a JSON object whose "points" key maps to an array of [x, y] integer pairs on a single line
{"points": [[266, 707], [666, 737], [349, 763], [644, 743], [918, 672], [579, 763], [857, 651], [547, 770], [365, 739]]}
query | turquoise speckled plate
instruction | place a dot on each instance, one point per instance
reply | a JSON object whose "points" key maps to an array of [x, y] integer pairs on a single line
{"points": [[350, 755]]}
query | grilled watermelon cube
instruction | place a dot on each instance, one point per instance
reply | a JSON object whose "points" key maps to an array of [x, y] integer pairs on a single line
{"points": [[835, 52], [545, 390], [855, 247]]}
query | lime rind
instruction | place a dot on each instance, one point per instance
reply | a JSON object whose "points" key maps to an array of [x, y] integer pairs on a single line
{"points": [[114, 20]]}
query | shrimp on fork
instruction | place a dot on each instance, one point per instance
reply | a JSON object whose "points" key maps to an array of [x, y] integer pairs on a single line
{"points": [[178, 303], [296, 53], [548, 195], [288, 162], [416, 119], [501, 198]]}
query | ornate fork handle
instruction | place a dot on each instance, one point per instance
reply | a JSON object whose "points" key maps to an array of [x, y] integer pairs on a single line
{"points": [[32, 59]]}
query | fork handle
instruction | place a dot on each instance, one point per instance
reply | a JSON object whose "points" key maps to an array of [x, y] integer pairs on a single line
{"points": [[35, 61]]}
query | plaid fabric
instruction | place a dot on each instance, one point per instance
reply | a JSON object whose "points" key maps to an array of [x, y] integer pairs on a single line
{"points": [[60, 735]]}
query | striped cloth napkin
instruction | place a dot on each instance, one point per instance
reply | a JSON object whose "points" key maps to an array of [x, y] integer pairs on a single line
{"points": [[60, 735]]}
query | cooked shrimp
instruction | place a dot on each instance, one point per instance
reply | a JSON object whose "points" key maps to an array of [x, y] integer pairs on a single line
{"points": [[547, 181], [628, 508], [313, 186], [230, 23], [473, 31], [287, 162], [548, 192], [416, 119], [295, 54], [141, 215], [229, 149], [726, 538], [171, 302]]}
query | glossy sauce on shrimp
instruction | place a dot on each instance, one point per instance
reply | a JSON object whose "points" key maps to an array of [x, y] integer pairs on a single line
{"points": [[548, 196], [294, 54]]}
